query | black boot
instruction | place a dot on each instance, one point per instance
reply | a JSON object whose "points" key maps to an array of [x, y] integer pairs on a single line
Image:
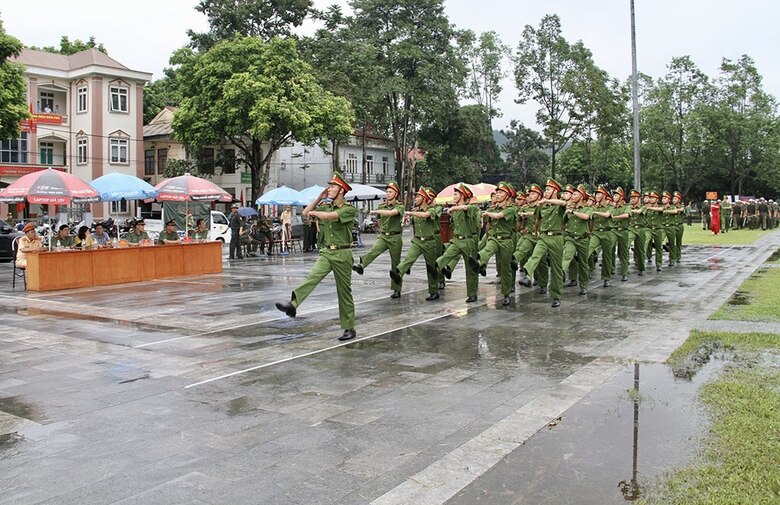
{"points": [[556, 302], [396, 294], [606, 284], [471, 299], [347, 335], [447, 271], [583, 291], [432, 296], [287, 307], [505, 301], [358, 269]]}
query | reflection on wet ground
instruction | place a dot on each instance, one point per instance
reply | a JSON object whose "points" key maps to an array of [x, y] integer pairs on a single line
{"points": [[608, 447], [199, 391]]}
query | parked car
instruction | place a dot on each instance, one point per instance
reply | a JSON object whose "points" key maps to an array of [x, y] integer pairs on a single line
{"points": [[7, 236]]}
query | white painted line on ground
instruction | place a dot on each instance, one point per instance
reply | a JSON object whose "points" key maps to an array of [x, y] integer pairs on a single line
{"points": [[348, 342], [263, 321]]}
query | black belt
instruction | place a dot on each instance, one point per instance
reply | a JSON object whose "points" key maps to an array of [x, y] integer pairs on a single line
{"points": [[337, 247], [638, 226], [620, 229], [551, 233], [462, 237], [426, 238], [388, 233], [578, 237], [501, 237]]}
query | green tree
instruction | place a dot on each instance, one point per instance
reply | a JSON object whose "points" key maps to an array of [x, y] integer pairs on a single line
{"points": [[527, 161], [559, 76], [419, 69], [13, 87], [68, 47], [675, 126], [257, 95], [161, 93], [744, 123], [485, 58], [265, 19]]}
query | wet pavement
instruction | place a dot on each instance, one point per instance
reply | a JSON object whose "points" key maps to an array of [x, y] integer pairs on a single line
{"points": [[198, 391]]}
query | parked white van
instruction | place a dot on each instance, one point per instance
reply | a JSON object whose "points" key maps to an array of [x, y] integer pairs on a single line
{"points": [[219, 231]]}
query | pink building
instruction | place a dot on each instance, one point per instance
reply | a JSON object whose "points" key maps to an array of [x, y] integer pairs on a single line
{"points": [[87, 120]]}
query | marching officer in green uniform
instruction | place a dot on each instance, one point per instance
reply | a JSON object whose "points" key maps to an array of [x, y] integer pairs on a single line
{"points": [[602, 235], [725, 214], [335, 220], [576, 238], [389, 239], [424, 242], [169, 234], [655, 222], [669, 222], [620, 220], [549, 218], [465, 221], [502, 217], [529, 236], [637, 225], [137, 234], [437, 221]]}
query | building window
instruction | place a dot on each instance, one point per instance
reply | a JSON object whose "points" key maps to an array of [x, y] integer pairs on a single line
{"points": [[118, 99], [162, 160], [14, 150], [119, 207], [206, 160], [149, 162], [118, 150], [352, 164], [229, 161], [385, 164], [81, 151], [369, 164], [81, 99], [47, 101], [46, 151]]}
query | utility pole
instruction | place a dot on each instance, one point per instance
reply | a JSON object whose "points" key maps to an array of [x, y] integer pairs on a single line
{"points": [[363, 179], [635, 102]]}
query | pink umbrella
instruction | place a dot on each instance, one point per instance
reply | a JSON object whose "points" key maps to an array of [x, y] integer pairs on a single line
{"points": [[185, 188], [49, 187]]}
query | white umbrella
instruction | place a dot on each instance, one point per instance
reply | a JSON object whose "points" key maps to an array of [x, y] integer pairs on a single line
{"points": [[364, 192]]}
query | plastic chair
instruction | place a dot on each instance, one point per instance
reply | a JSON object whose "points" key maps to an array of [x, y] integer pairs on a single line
{"points": [[18, 271]]}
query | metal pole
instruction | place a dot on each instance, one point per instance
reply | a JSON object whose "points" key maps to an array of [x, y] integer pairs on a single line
{"points": [[363, 179], [635, 101]]}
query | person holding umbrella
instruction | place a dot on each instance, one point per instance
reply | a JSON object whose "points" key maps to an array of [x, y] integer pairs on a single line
{"points": [[335, 221]]}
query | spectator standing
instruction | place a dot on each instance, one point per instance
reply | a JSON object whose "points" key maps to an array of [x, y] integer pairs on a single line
{"points": [[236, 226], [715, 217]]}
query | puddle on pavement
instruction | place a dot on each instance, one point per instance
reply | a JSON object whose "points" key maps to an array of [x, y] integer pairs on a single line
{"points": [[14, 406], [739, 298], [607, 448]]}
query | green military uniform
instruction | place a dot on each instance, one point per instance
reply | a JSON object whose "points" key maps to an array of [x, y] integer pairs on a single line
{"points": [[669, 221], [576, 242], [200, 234], [603, 237], [550, 244], [437, 222], [66, 241], [388, 239], [621, 231], [679, 225], [465, 226], [499, 240], [725, 215], [136, 236], [167, 235], [335, 256], [529, 236], [637, 226], [425, 242], [655, 224]]}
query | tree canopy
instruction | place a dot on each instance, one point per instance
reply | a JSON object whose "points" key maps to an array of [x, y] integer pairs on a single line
{"points": [[13, 87]]}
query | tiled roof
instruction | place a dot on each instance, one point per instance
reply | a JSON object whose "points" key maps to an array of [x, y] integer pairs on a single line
{"points": [[44, 59]]}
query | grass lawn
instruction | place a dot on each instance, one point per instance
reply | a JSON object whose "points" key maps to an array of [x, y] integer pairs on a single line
{"points": [[757, 299], [694, 235]]}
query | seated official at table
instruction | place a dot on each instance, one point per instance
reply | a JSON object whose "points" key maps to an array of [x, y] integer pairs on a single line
{"points": [[29, 243], [63, 239], [84, 239], [137, 234], [169, 235], [201, 232], [100, 237]]}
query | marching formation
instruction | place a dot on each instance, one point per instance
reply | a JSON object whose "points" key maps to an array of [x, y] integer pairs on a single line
{"points": [[538, 236]]}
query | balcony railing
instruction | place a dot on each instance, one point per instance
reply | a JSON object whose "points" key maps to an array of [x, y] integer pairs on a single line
{"points": [[371, 179]]}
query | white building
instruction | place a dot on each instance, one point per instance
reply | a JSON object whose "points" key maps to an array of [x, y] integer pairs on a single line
{"points": [[87, 119]]}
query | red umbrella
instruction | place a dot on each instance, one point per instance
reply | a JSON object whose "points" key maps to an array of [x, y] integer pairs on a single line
{"points": [[185, 188], [49, 187]]}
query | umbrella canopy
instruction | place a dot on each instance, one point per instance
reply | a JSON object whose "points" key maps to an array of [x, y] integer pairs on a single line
{"points": [[279, 196], [364, 192], [247, 211], [116, 186], [187, 187], [49, 187], [481, 192], [309, 194]]}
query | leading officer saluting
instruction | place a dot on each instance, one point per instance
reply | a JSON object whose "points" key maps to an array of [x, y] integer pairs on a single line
{"points": [[336, 220]]}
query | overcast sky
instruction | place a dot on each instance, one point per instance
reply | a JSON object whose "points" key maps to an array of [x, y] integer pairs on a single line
{"points": [[143, 33]]}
